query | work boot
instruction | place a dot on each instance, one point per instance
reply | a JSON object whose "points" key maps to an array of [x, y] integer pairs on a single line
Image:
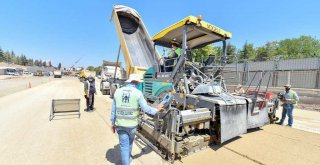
{"points": [[279, 123]]}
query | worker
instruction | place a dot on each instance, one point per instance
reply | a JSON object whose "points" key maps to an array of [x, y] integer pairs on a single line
{"points": [[90, 91], [239, 90], [174, 55], [124, 114], [290, 100]]}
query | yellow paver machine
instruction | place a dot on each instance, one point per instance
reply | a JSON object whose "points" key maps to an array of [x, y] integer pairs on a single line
{"points": [[198, 109]]}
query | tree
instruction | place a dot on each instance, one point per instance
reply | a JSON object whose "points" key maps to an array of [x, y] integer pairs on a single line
{"points": [[30, 62], [247, 52], [7, 57], [50, 65], [1, 55], [202, 54], [17, 60], [90, 68], [98, 69], [59, 66], [24, 60], [231, 53], [267, 52], [302, 47]]}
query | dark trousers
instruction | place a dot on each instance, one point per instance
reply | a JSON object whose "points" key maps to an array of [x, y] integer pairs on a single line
{"points": [[90, 101]]}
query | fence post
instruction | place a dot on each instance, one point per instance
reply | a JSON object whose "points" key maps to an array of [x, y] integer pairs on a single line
{"points": [[275, 75], [245, 73], [318, 75], [289, 77]]}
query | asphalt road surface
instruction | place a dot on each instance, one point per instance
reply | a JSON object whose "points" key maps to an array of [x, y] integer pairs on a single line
{"points": [[28, 137]]}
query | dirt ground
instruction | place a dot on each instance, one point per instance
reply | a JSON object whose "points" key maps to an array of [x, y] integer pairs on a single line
{"points": [[28, 137], [19, 83]]}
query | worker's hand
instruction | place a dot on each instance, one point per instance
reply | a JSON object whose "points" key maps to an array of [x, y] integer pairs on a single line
{"points": [[159, 107], [113, 129]]}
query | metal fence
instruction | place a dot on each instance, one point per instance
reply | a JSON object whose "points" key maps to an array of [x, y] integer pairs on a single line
{"points": [[300, 73]]}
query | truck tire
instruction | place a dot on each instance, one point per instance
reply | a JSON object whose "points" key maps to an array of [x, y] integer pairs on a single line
{"points": [[107, 91]]}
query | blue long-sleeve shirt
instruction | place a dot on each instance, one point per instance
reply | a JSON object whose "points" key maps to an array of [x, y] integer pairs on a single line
{"points": [[142, 102]]}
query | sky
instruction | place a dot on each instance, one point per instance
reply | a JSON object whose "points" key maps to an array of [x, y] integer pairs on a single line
{"points": [[68, 30]]}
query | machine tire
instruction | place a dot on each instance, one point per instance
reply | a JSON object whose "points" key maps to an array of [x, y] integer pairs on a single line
{"points": [[107, 92]]}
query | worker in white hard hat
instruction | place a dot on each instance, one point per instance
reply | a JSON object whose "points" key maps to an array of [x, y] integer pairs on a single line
{"points": [[125, 111], [290, 100]]}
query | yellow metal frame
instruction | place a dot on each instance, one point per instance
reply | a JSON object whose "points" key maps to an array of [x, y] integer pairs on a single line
{"points": [[193, 20]]}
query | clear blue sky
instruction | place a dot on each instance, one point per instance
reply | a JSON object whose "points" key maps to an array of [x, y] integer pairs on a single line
{"points": [[65, 30]]}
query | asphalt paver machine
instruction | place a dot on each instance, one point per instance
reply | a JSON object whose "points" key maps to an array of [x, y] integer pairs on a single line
{"points": [[199, 110]]}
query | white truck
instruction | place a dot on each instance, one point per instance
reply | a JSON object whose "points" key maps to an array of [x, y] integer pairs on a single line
{"points": [[57, 74], [107, 74]]}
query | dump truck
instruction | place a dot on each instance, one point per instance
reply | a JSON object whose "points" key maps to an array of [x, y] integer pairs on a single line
{"points": [[111, 70], [135, 43], [57, 74]]}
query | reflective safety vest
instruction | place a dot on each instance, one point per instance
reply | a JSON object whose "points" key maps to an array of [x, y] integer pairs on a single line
{"points": [[86, 91], [127, 106], [178, 51], [292, 96]]}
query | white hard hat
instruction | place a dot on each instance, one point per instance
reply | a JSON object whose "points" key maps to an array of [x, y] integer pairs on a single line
{"points": [[134, 77], [287, 85]]}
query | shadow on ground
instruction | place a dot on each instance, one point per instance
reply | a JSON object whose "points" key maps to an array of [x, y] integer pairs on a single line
{"points": [[113, 155]]}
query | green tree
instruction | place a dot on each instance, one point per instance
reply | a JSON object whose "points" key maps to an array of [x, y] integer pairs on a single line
{"points": [[248, 52], [302, 47], [202, 54], [231, 53], [1, 55], [30, 62], [90, 68], [98, 69], [24, 60], [7, 57], [267, 52], [59, 66]]}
